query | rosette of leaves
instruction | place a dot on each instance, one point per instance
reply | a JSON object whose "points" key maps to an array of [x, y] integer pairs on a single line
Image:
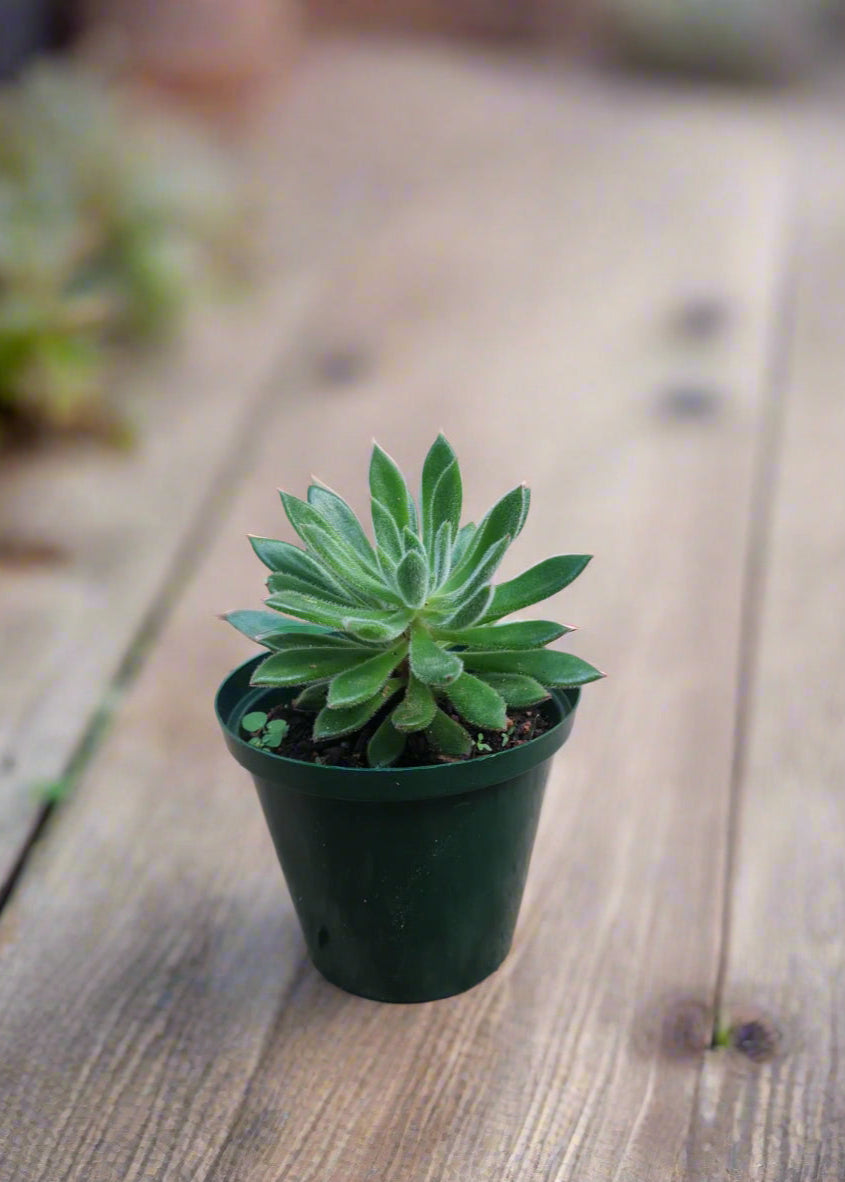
{"points": [[407, 630]]}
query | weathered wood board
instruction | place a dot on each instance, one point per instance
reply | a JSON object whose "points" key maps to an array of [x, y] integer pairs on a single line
{"points": [[157, 1015], [112, 530], [783, 1120], [93, 543]]}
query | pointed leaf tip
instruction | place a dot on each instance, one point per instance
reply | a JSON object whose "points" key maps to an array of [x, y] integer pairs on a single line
{"points": [[386, 745], [447, 736], [477, 702]]}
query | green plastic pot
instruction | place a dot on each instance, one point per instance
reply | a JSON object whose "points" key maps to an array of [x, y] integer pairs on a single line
{"points": [[407, 881]]}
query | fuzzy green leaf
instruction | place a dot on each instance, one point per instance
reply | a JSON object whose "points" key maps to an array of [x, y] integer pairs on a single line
{"points": [[522, 634], [416, 710], [478, 576], [300, 514], [283, 558], [388, 487], [331, 548], [260, 626], [464, 536], [280, 582], [374, 630], [304, 638], [447, 736], [375, 624], [412, 543], [387, 534], [534, 585], [312, 698], [439, 460], [276, 554], [340, 517], [285, 642], [517, 689], [344, 562], [386, 745], [523, 516], [332, 723], [478, 702], [504, 521], [470, 611], [361, 682], [412, 579], [296, 564], [446, 503], [429, 662], [253, 722], [303, 665], [314, 609], [546, 665], [442, 556]]}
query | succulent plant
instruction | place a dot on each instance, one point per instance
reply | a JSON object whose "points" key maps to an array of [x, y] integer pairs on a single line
{"points": [[407, 629]]}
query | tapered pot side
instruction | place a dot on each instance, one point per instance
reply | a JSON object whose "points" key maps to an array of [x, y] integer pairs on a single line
{"points": [[407, 881]]}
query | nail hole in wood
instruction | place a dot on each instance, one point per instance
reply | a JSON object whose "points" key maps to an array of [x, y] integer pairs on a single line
{"points": [[701, 318], [751, 1034], [689, 404], [343, 365], [758, 1039], [24, 553], [685, 1029], [675, 1026]]}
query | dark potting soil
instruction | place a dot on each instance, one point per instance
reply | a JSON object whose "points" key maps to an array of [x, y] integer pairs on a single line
{"points": [[351, 750]]}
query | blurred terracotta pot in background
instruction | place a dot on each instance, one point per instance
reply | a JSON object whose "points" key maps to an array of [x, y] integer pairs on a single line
{"points": [[207, 50]]}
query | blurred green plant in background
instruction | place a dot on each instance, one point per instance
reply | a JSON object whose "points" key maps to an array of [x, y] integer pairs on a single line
{"points": [[111, 220], [737, 39]]}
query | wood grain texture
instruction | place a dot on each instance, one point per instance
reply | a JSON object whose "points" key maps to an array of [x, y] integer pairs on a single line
{"points": [[106, 530], [90, 541], [116, 525], [784, 1120], [157, 1016]]}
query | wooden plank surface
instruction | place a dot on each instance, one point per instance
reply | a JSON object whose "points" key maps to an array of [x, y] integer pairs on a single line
{"points": [[95, 541], [784, 1120], [158, 1018], [105, 532]]}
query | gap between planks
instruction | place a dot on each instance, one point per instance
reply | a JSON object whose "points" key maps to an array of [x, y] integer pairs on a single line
{"points": [[761, 512], [781, 1118], [223, 484]]}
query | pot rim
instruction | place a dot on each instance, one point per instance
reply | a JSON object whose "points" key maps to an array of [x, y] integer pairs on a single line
{"points": [[236, 697]]}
